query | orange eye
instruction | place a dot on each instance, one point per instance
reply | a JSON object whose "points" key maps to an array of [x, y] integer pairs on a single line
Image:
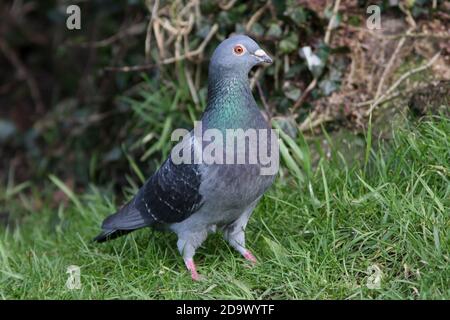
{"points": [[238, 50]]}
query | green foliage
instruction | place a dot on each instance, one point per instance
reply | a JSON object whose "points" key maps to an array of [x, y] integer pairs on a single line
{"points": [[90, 112]]}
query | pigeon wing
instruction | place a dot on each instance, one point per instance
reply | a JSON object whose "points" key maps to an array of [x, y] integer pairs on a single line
{"points": [[172, 194]]}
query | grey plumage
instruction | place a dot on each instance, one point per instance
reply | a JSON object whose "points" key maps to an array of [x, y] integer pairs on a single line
{"points": [[193, 200]]}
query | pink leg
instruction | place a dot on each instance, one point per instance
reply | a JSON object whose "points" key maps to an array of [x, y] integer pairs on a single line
{"points": [[250, 257], [191, 267]]}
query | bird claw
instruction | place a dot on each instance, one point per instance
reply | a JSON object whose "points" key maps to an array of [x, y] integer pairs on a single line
{"points": [[250, 257], [193, 269]]}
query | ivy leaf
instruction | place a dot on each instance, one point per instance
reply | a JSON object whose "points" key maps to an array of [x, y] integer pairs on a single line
{"points": [[7, 130], [274, 30], [328, 86], [297, 14], [332, 82], [289, 44], [291, 92], [314, 62], [257, 29]]}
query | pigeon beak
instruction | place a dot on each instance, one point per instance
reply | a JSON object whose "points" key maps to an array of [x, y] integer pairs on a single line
{"points": [[262, 56]]}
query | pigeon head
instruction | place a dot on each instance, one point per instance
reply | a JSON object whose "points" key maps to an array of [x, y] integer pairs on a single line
{"points": [[238, 54]]}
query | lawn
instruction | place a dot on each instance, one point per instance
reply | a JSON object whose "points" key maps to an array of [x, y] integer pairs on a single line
{"points": [[327, 236]]}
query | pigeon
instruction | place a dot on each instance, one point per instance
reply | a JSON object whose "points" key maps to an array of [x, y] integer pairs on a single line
{"points": [[198, 198]]}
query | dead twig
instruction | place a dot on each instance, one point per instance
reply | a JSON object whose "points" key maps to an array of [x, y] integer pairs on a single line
{"points": [[178, 57], [131, 31], [385, 99], [130, 68], [327, 37], [227, 6], [175, 31], [195, 52], [256, 16], [400, 80], [191, 86], [159, 39], [170, 33], [148, 38], [313, 120], [409, 18], [305, 94], [25, 74], [264, 101], [388, 68], [255, 78]]}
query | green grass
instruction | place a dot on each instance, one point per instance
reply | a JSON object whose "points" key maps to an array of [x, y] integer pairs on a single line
{"points": [[313, 241]]}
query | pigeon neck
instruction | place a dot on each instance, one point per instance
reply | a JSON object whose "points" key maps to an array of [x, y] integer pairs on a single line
{"points": [[230, 100]]}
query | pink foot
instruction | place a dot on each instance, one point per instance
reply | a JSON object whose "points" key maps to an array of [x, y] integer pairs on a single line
{"points": [[250, 257], [191, 267]]}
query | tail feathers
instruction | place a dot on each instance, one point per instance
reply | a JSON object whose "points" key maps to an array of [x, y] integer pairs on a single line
{"points": [[124, 221]]}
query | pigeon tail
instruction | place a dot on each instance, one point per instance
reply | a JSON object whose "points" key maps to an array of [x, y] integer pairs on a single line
{"points": [[124, 221]]}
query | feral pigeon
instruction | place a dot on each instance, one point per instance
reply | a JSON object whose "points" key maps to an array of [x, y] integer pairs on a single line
{"points": [[196, 198]]}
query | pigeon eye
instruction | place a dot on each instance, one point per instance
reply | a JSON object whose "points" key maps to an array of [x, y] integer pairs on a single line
{"points": [[238, 50]]}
